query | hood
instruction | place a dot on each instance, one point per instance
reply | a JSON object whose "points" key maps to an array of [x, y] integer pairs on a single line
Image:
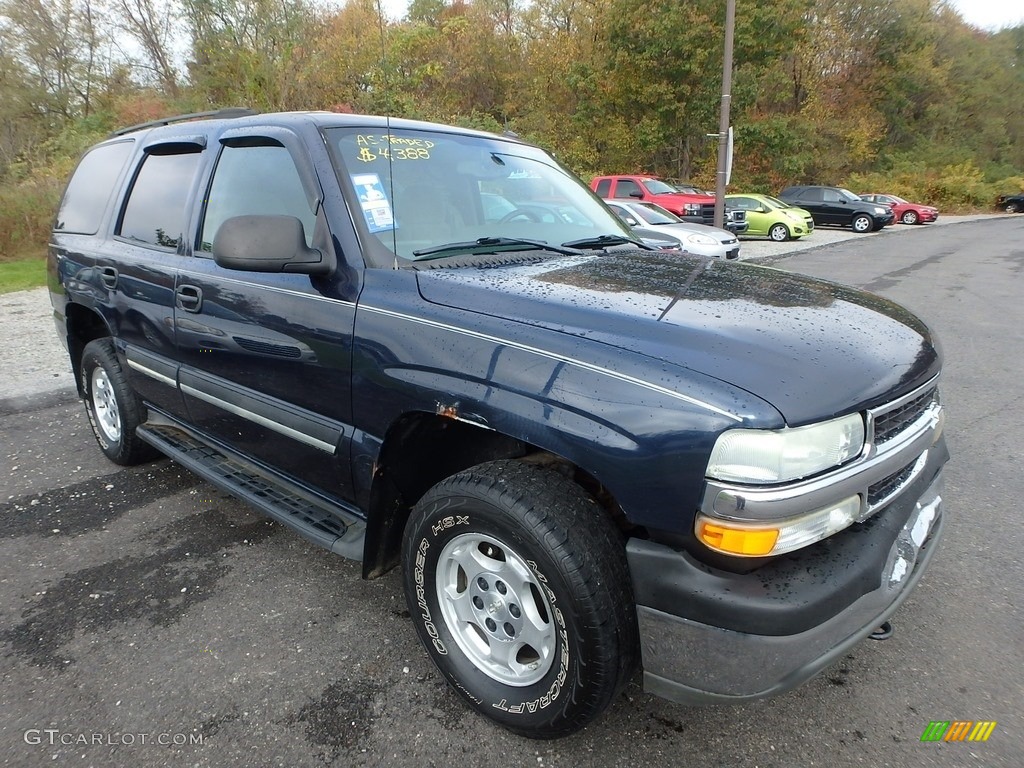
{"points": [[812, 349]]}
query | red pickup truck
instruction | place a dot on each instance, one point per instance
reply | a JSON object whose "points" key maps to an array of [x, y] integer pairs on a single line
{"points": [[690, 205]]}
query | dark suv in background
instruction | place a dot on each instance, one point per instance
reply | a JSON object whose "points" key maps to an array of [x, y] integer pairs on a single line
{"points": [[839, 207]]}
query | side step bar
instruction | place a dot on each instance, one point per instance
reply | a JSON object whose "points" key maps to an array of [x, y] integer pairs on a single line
{"points": [[313, 518]]}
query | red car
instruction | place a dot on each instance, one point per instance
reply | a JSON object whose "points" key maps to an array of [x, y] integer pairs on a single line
{"points": [[907, 213]]}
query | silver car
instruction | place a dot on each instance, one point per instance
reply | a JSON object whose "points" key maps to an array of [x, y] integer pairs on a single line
{"points": [[649, 220]]}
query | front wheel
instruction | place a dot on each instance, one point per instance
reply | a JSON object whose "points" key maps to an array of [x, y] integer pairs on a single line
{"points": [[909, 217], [113, 407], [862, 223], [1013, 207], [779, 233], [519, 589]]}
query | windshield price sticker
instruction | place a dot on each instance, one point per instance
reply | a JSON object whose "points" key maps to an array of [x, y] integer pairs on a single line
{"points": [[374, 146]]}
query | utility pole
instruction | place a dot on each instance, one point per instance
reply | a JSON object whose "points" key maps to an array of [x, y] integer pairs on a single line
{"points": [[723, 120]]}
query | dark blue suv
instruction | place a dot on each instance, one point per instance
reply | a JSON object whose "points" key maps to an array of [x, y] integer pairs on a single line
{"points": [[422, 345]]}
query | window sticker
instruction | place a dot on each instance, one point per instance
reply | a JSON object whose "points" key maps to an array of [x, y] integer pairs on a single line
{"points": [[374, 202]]}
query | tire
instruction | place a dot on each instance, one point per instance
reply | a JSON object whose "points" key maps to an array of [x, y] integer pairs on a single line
{"points": [[779, 233], [113, 407], [510, 557], [862, 223], [909, 217], [1013, 208]]}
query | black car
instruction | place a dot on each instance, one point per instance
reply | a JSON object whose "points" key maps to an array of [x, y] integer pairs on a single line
{"points": [[839, 207], [586, 455], [1011, 203]]}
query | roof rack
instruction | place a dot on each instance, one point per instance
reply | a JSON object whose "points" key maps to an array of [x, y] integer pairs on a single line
{"points": [[225, 114]]}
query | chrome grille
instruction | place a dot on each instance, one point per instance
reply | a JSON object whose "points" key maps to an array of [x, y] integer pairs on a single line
{"points": [[891, 423]]}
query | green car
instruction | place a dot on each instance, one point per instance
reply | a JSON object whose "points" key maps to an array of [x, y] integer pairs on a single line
{"points": [[771, 217]]}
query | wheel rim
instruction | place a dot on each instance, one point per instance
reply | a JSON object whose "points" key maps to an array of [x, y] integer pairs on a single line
{"points": [[779, 233], [909, 217], [104, 404], [862, 224], [496, 609]]}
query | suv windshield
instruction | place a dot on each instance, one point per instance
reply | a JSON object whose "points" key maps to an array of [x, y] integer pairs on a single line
{"points": [[429, 194]]}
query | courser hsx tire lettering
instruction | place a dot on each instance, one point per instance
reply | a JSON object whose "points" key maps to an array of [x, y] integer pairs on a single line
{"points": [[546, 562]]}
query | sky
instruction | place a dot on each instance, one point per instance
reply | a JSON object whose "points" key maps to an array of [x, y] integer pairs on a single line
{"points": [[989, 14], [986, 14]]}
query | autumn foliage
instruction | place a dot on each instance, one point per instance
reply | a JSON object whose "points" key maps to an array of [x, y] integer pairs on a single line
{"points": [[875, 95]]}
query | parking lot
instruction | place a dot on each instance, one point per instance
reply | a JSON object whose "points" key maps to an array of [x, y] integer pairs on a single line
{"points": [[147, 619]]}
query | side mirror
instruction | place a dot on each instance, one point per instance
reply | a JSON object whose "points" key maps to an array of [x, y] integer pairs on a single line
{"points": [[267, 244], [632, 222], [637, 194]]}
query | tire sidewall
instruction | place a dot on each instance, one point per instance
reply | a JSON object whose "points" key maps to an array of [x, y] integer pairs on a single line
{"points": [[540, 705], [100, 354], [859, 218]]}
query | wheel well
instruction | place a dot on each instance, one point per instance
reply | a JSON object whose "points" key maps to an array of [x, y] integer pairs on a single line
{"points": [[83, 326], [419, 451]]}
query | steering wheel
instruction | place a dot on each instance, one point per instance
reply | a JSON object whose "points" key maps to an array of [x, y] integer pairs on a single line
{"points": [[520, 212]]}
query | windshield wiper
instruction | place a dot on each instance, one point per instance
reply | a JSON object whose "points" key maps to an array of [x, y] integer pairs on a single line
{"points": [[603, 240], [487, 244]]}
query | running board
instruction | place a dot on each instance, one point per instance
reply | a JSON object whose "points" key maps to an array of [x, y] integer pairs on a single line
{"points": [[313, 518]]}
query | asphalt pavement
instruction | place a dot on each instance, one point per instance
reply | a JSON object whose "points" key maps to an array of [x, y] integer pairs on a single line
{"points": [[146, 619]]}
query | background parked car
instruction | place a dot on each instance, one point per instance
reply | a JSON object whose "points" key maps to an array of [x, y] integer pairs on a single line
{"points": [[651, 221], [770, 217], [689, 203], [1011, 203], [839, 207], [906, 212]]}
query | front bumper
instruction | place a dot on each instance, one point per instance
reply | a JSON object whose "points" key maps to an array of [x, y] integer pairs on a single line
{"points": [[710, 636]]}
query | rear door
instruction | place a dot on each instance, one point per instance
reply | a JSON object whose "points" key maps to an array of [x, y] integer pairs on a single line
{"points": [[140, 261], [266, 358]]}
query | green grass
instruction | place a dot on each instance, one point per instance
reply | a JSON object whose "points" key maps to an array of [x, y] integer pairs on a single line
{"points": [[21, 274]]}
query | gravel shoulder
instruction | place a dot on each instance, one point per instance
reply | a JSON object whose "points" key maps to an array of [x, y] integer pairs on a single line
{"points": [[35, 371]]}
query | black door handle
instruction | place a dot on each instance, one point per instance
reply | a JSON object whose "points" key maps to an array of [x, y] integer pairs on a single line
{"points": [[109, 277], [189, 298]]}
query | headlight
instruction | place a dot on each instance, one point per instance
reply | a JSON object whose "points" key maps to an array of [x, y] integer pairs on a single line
{"points": [[777, 537], [794, 216], [880, 211], [700, 239], [691, 207], [761, 456]]}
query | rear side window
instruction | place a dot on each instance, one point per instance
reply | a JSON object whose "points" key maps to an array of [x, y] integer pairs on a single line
{"points": [[155, 211], [90, 188], [604, 186]]}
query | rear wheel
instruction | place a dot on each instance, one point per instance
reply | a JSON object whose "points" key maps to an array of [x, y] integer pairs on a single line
{"points": [[113, 407], [779, 233], [909, 217], [518, 586], [862, 223]]}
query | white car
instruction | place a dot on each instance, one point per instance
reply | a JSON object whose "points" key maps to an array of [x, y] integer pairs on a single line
{"points": [[649, 220]]}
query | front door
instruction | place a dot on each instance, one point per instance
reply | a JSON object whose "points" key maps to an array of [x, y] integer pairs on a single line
{"points": [[266, 358]]}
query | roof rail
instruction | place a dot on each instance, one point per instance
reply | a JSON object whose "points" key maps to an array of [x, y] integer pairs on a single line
{"points": [[226, 113]]}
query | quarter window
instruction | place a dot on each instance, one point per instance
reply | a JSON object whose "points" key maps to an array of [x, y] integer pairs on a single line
{"points": [[156, 207], [90, 188], [604, 186]]}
